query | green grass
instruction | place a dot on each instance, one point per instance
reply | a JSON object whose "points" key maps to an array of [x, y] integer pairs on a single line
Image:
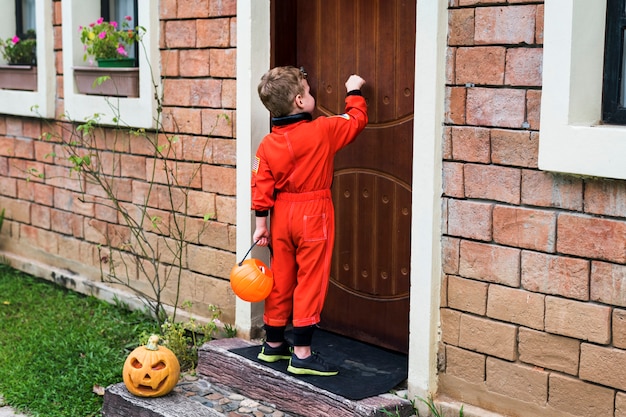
{"points": [[56, 345]]}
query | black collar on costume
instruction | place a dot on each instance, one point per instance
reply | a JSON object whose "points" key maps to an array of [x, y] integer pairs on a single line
{"points": [[292, 118]]}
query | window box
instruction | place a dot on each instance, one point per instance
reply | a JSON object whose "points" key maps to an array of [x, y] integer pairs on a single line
{"points": [[123, 82], [18, 77]]}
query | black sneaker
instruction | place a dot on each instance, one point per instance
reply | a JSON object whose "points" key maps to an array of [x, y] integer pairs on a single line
{"points": [[313, 365], [270, 354]]}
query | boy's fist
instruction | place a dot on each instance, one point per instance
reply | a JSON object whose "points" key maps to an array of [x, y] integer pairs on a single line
{"points": [[354, 82]]}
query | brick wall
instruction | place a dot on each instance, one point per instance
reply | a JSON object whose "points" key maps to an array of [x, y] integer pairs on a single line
{"points": [[46, 222], [534, 307]]}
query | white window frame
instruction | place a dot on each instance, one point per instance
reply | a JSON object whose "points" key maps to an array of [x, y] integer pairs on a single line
{"points": [[138, 112], [40, 102], [572, 137]]}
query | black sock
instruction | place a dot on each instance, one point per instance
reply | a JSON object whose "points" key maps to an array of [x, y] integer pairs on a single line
{"points": [[302, 336], [274, 334]]}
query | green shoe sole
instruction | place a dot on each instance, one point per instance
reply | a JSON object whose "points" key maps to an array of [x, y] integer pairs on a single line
{"points": [[272, 358], [304, 371]]}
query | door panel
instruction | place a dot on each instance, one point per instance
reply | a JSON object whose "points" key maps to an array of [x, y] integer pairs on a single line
{"points": [[368, 298]]}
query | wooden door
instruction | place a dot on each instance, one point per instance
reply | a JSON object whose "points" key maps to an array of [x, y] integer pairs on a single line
{"points": [[368, 298]]}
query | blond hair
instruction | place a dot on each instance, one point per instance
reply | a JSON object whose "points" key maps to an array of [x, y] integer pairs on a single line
{"points": [[278, 87]]}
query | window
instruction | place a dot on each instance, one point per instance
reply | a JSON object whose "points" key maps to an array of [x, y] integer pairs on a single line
{"points": [[25, 19], [573, 138], [137, 111], [37, 15], [117, 10], [614, 92]]}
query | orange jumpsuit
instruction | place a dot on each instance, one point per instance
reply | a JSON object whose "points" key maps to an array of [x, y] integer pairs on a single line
{"points": [[291, 177]]}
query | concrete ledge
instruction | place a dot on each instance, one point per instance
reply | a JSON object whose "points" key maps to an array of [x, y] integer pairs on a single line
{"points": [[118, 402], [292, 395]]}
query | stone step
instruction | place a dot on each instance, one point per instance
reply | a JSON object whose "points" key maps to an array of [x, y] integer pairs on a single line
{"points": [[292, 395]]}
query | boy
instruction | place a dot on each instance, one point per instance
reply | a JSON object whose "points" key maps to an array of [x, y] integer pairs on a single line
{"points": [[291, 178]]}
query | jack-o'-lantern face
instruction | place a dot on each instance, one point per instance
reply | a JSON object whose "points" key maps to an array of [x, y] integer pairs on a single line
{"points": [[151, 373]]}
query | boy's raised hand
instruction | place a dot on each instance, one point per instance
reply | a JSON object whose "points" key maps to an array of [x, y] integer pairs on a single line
{"points": [[354, 82]]}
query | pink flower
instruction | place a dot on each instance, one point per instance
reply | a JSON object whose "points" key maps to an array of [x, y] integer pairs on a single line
{"points": [[114, 24], [129, 18], [102, 35], [80, 28], [15, 40], [121, 50], [100, 20], [92, 25]]}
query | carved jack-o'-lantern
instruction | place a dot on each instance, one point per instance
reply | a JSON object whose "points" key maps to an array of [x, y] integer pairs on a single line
{"points": [[151, 370]]}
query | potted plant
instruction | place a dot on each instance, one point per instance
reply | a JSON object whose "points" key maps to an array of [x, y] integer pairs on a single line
{"points": [[107, 44], [21, 57]]}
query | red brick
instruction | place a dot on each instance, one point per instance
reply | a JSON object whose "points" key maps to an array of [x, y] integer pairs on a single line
{"points": [[224, 151], [453, 184], [619, 328], [480, 65], [181, 120], [518, 381], [467, 295], [514, 148], [515, 306], [469, 219], [533, 110], [15, 126], [447, 143], [539, 26], [7, 146], [547, 189], [604, 365], [450, 65], [8, 187], [223, 8], [524, 66], [214, 33], [455, 105], [605, 197], [580, 398], [450, 326], [221, 180], [169, 62], [461, 27], [226, 209], [233, 32], [192, 8], [168, 9], [69, 201], [196, 148], [471, 144], [558, 275], [489, 337], [490, 263], [450, 255], [40, 216], [192, 92], [505, 25], [223, 63], [67, 223], [218, 122], [133, 166], [180, 34], [578, 319], [196, 63], [524, 228], [464, 364], [492, 182], [592, 237], [24, 148], [548, 351], [229, 94], [497, 107], [608, 283]]}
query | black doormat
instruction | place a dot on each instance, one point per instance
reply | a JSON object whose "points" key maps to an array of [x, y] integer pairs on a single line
{"points": [[364, 370]]}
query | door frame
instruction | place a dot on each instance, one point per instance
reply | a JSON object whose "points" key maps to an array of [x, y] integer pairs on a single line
{"points": [[253, 60]]}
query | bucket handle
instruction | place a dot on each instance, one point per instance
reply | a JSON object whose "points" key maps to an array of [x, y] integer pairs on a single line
{"points": [[250, 250]]}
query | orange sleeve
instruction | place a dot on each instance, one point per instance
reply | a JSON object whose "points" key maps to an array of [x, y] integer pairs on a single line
{"points": [[263, 183], [345, 127]]}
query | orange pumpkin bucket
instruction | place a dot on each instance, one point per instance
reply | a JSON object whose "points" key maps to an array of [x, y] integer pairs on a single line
{"points": [[251, 279]]}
